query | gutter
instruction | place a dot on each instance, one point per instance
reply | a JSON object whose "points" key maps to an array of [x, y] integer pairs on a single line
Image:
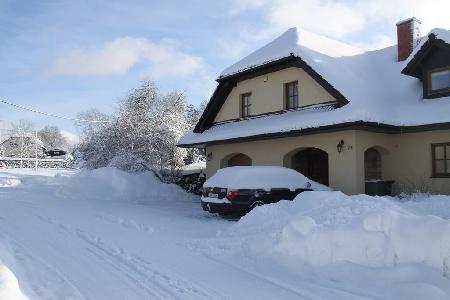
{"points": [[356, 125]]}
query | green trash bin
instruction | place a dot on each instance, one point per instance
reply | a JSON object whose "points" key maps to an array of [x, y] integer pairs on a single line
{"points": [[379, 187]]}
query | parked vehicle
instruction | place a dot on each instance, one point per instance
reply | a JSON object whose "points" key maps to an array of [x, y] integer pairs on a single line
{"points": [[56, 152], [2, 165], [237, 190]]}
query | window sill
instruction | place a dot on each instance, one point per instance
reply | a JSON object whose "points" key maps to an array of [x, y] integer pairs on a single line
{"points": [[440, 176]]}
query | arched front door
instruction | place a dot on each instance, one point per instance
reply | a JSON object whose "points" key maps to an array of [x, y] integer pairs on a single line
{"points": [[313, 163], [239, 160]]}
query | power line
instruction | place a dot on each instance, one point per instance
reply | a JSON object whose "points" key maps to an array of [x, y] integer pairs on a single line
{"points": [[52, 115]]}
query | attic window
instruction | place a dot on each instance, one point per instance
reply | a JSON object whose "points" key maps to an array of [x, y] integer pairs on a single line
{"points": [[439, 80], [291, 94], [245, 105]]}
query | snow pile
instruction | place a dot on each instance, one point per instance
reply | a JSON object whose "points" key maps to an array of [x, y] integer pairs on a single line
{"points": [[262, 177], [111, 184], [326, 228], [9, 286], [194, 168], [8, 181]]}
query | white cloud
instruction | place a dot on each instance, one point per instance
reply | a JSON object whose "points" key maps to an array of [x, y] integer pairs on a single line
{"points": [[433, 13], [118, 56], [341, 18], [326, 17]]}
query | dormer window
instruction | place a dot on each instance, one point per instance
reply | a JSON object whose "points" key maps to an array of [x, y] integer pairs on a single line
{"points": [[246, 104], [439, 80]]}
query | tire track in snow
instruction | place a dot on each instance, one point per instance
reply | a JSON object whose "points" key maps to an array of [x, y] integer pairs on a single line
{"points": [[343, 294], [126, 223], [110, 257], [22, 255], [145, 274]]}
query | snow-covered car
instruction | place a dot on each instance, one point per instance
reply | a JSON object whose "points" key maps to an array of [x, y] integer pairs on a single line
{"points": [[237, 190]]}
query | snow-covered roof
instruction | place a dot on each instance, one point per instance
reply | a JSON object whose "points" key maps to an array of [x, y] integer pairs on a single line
{"points": [[372, 82], [24, 136], [291, 42]]}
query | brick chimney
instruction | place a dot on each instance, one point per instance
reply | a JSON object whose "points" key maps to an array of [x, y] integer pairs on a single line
{"points": [[407, 36]]}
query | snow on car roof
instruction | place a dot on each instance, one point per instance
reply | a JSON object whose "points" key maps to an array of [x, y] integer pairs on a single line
{"points": [[261, 177], [372, 82]]}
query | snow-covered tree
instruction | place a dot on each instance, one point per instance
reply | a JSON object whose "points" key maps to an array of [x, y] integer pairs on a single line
{"points": [[98, 143], [150, 125], [145, 129], [193, 114], [52, 138], [22, 142]]}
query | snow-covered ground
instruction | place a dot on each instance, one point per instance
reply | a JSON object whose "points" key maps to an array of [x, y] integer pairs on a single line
{"points": [[106, 234]]}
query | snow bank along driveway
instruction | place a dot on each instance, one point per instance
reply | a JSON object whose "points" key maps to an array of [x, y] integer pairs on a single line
{"points": [[106, 234]]}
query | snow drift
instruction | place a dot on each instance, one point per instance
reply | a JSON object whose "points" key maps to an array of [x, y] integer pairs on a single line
{"points": [[9, 286], [111, 184], [427, 204], [8, 181], [325, 228]]}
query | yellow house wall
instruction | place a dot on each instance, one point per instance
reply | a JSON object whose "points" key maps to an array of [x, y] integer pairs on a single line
{"points": [[268, 93], [342, 166], [406, 158]]}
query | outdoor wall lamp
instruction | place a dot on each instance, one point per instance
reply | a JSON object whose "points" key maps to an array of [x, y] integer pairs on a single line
{"points": [[340, 145]]}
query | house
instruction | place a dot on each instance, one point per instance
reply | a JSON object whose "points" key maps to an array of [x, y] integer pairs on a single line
{"points": [[23, 146], [338, 115]]}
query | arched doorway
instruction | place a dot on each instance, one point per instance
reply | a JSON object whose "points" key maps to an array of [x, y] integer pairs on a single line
{"points": [[239, 160], [313, 163], [372, 164]]}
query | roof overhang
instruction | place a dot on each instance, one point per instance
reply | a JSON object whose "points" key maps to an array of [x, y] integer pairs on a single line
{"points": [[357, 125]]}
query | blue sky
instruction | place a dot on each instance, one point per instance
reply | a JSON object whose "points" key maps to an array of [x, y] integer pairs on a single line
{"points": [[64, 57]]}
